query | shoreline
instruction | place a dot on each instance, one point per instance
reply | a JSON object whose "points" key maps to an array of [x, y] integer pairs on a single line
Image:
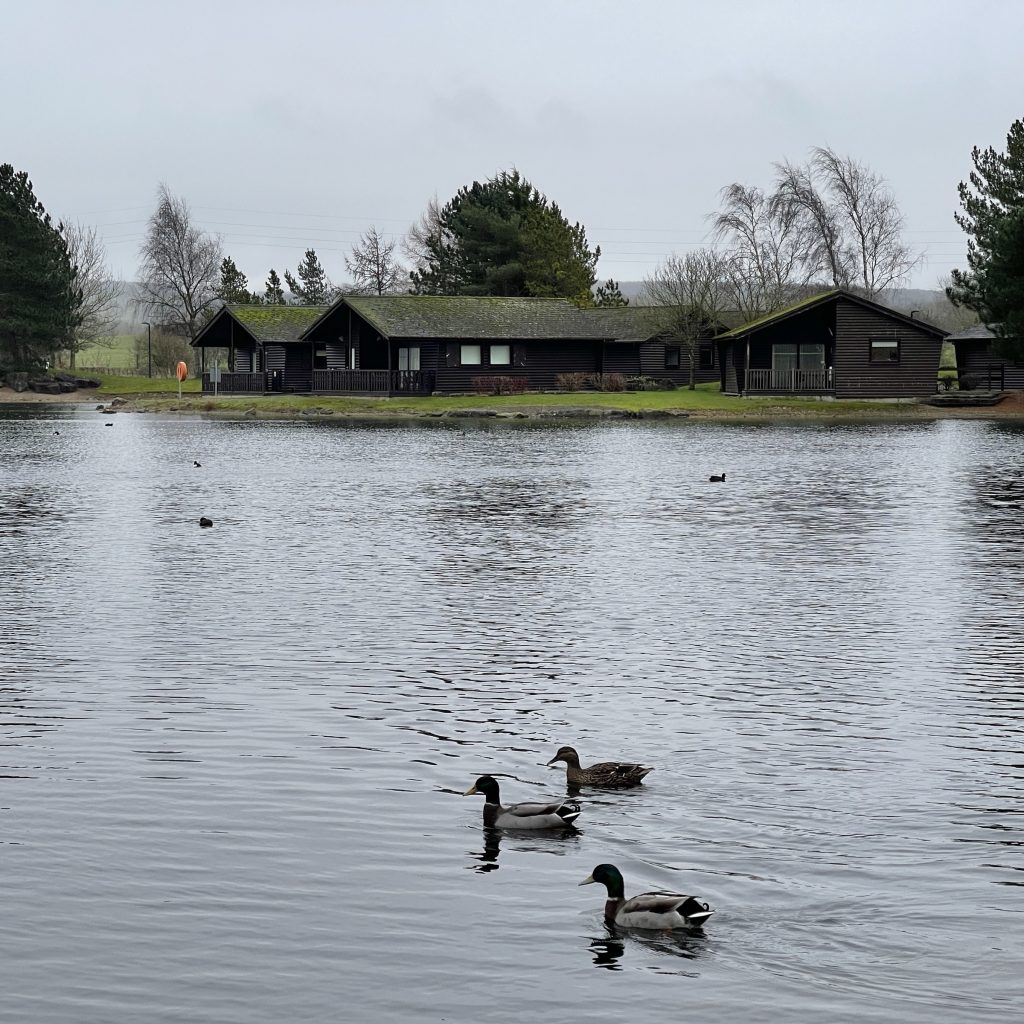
{"points": [[319, 408]]}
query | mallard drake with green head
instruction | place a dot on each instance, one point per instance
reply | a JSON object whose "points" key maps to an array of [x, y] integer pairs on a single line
{"points": [[558, 814], [611, 774], [653, 910]]}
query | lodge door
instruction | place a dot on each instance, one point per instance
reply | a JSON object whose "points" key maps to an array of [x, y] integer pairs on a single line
{"points": [[298, 368]]}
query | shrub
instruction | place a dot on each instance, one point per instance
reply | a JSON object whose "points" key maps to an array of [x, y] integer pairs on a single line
{"points": [[645, 384], [499, 385], [571, 381], [608, 381]]}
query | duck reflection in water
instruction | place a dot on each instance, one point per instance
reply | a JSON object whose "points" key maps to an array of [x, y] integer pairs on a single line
{"points": [[606, 951], [547, 842]]}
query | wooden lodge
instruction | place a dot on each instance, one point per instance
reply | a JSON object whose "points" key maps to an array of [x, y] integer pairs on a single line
{"points": [[979, 366], [832, 345], [835, 345], [426, 344], [264, 348]]}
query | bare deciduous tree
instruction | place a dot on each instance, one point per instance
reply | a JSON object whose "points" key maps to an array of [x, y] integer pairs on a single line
{"points": [[180, 266], [852, 215], [97, 313], [430, 247], [373, 266], [769, 245], [687, 296]]}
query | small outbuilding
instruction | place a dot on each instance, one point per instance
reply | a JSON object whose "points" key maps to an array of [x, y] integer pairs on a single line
{"points": [[978, 363]]}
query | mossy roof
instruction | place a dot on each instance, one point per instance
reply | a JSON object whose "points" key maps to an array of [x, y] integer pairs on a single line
{"points": [[642, 323], [276, 323], [470, 316], [832, 295], [781, 314]]}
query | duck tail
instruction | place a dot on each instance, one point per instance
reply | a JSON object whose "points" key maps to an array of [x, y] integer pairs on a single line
{"points": [[697, 920], [569, 811]]}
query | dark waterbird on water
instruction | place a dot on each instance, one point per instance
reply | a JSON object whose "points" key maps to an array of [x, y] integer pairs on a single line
{"points": [[203, 521], [653, 910], [612, 774], [557, 814], [198, 465], [713, 479]]}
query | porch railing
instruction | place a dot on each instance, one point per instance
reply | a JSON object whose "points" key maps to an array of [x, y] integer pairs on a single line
{"points": [[377, 382], [358, 382], [789, 380], [236, 383]]}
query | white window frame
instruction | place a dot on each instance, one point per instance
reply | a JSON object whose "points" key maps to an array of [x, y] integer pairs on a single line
{"points": [[408, 356]]}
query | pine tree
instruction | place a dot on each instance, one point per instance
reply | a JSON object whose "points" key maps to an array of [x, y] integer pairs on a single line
{"points": [[502, 237], [1003, 284], [273, 294], [995, 190], [233, 285], [38, 291], [608, 294], [316, 288]]}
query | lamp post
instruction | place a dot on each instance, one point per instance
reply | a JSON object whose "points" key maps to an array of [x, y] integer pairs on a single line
{"points": [[149, 346]]}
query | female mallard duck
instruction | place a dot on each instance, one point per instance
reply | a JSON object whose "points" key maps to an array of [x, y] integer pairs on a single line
{"points": [[648, 910], [554, 815], [612, 774]]}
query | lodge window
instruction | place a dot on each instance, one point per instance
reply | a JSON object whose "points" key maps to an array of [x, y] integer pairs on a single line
{"points": [[884, 350], [458, 354], [671, 357], [706, 357], [320, 357], [802, 356], [409, 358]]}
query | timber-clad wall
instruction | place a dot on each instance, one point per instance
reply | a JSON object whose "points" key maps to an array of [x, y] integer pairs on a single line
{"points": [[541, 362], [857, 377], [652, 363], [975, 358], [624, 359]]}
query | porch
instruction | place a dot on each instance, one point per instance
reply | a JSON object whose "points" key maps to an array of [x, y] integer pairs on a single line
{"points": [[817, 381], [321, 382]]}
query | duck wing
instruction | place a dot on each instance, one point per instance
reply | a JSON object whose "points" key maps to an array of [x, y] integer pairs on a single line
{"points": [[616, 773], [531, 815], [663, 910]]}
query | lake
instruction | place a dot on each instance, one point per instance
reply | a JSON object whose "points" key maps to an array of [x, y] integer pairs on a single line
{"points": [[232, 759]]}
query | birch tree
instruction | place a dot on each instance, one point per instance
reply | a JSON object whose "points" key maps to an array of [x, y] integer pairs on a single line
{"points": [[98, 310], [853, 226], [180, 268]]}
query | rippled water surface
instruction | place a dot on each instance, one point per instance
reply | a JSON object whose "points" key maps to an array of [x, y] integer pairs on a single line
{"points": [[231, 759]]}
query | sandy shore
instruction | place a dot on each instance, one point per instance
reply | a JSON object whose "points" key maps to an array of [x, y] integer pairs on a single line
{"points": [[9, 395]]}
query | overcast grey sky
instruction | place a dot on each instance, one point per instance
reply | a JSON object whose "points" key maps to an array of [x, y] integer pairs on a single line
{"points": [[287, 125]]}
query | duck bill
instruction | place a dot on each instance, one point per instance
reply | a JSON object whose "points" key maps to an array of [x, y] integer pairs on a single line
{"points": [[587, 880], [553, 761], [472, 791]]}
